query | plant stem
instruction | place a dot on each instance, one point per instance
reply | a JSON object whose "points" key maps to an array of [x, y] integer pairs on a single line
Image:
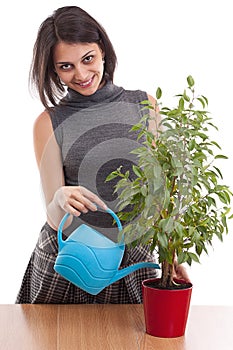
{"points": [[167, 273]]}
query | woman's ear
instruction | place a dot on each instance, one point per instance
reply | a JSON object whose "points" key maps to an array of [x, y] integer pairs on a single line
{"points": [[103, 54], [101, 46]]}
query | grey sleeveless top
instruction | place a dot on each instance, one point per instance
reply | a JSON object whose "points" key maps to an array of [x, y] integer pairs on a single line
{"points": [[93, 133]]}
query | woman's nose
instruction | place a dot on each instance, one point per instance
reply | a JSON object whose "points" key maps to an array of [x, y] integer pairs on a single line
{"points": [[80, 73]]}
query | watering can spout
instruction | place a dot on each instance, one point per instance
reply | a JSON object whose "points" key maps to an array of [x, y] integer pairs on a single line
{"points": [[132, 268]]}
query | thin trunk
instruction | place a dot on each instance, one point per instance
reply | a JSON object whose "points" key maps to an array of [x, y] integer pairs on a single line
{"points": [[167, 273]]}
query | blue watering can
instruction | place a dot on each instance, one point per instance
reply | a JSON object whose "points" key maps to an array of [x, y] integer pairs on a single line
{"points": [[90, 260]]}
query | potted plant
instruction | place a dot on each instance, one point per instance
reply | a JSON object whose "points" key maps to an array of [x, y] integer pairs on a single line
{"points": [[175, 201]]}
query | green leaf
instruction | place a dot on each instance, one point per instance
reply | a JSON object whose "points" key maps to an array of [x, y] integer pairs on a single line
{"points": [[214, 126], [112, 176], [137, 171], [145, 102], [202, 101], [186, 97], [148, 235], [220, 156], [179, 228], [167, 225], [182, 257], [194, 257], [216, 144], [211, 201], [163, 239], [223, 196], [192, 145], [191, 230], [206, 100], [136, 127], [190, 81], [144, 190], [218, 171], [181, 104], [158, 93]]}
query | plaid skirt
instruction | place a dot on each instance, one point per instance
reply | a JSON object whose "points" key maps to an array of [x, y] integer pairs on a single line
{"points": [[42, 285]]}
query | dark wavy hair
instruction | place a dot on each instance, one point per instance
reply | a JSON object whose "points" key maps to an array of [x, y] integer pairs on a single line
{"points": [[72, 25]]}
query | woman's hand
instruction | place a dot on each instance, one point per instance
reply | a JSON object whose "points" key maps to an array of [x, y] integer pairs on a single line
{"points": [[77, 199], [180, 272]]}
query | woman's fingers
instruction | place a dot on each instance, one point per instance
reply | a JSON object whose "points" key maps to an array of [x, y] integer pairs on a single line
{"points": [[91, 200], [181, 273], [76, 206], [81, 200]]}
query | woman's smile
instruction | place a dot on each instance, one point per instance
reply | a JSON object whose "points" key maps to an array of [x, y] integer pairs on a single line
{"points": [[79, 66]]}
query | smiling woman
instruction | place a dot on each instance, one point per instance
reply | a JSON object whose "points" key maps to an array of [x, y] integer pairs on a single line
{"points": [[73, 38], [82, 135], [80, 66]]}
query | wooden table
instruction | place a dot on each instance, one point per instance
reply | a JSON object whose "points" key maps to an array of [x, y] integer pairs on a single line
{"points": [[108, 327]]}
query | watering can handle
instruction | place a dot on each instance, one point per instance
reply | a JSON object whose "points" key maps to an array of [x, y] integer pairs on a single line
{"points": [[65, 217]]}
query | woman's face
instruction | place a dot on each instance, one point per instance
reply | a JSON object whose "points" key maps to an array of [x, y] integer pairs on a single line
{"points": [[79, 66]]}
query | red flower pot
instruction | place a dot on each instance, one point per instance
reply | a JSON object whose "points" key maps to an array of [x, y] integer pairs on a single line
{"points": [[166, 311]]}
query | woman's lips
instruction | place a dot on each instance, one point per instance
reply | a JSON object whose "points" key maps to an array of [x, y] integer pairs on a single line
{"points": [[86, 83]]}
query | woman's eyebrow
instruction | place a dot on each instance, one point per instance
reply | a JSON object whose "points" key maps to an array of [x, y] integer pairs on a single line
{"points": [[86, 54]]}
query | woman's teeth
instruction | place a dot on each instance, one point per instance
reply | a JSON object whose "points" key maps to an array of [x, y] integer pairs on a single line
{"points": [[86, 83]]}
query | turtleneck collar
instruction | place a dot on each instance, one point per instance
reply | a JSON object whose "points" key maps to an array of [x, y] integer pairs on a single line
{"points": [[108, 93]]}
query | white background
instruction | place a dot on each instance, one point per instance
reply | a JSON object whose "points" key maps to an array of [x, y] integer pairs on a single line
{"points": [[158, 43]]}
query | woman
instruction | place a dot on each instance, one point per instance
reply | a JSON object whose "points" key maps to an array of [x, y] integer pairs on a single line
{"points": [[80, 137]]}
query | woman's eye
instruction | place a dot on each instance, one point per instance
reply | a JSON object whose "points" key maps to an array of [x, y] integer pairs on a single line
{"points": [[66, 66], [88, 59]]}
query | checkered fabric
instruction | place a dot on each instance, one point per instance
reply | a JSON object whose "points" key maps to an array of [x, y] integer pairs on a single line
{"points": [[41, 284]]}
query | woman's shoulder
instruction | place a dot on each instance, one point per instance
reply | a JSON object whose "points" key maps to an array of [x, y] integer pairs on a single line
{"points": [[151, 99], [43, 125]]}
